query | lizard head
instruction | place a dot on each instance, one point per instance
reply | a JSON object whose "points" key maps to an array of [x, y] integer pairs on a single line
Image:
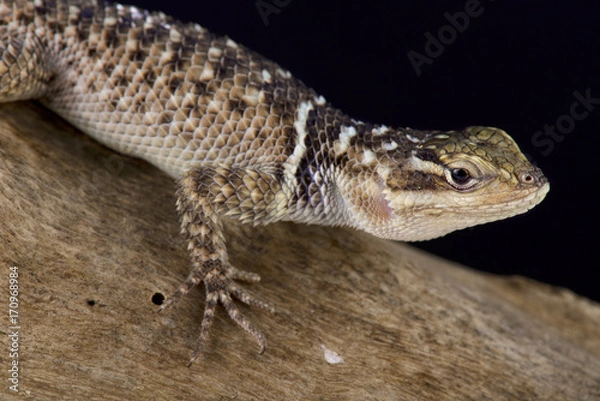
{"points": [[427, 184]]}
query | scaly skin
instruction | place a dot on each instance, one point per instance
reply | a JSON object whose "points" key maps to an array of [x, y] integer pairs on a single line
{"points": [[247, 140]]}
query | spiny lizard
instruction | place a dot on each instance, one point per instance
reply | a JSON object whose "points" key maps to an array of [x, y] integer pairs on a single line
{"points": [[246, 140]]}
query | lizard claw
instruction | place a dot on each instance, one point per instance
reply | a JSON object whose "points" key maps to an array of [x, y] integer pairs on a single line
{"points": [[223, 296], [220, 288]]}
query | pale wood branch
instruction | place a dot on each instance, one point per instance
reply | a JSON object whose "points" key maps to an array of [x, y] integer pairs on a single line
{"points": [[95, 236]]}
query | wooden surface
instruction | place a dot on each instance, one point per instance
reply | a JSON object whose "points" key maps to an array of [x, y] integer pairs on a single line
{"points": [[95, 236]]}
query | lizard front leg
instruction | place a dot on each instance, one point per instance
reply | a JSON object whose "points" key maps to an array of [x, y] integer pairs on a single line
{"points": [[204, 195]]}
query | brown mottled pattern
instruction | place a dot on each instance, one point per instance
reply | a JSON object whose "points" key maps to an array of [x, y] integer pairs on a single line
{"points": [[146, 85]]}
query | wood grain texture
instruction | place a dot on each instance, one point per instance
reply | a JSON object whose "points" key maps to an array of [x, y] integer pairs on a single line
{"points": [[95, 236]]}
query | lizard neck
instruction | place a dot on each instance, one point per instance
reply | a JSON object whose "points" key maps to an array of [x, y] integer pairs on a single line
{"points": [[332, 167]]}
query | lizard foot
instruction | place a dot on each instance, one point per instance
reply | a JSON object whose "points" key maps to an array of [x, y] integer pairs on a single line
{"points": [[220, 287]]}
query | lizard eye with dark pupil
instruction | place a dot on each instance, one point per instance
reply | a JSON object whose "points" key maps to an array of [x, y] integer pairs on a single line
{"points": [[460, 175]]}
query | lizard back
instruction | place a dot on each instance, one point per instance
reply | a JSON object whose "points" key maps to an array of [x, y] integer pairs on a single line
{"points": [[152, 87]]}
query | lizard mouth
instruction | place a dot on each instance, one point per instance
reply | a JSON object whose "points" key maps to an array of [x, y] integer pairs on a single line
{"points": [[441, 216], [530, 199], [520, 201]]}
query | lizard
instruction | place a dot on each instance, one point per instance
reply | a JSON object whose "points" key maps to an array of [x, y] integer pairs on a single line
{"points": [[244, 139]]}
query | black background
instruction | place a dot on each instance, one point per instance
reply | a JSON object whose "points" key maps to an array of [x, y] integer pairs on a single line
{"points": [[516, 66]]}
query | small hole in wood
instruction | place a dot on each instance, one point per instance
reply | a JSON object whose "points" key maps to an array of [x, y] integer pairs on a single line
{"points": [[158, 298]]}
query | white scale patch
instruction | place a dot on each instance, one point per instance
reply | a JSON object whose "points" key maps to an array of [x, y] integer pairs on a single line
{"points": [[389, 145], [132, 45], [284, 73], [136, 13], [214, 53], [380, 130], [174, 35], [75, 11], [300, 126], [413, 139], [291, 165], [341, 145], [320, 101], [110, 21], [267, 76], [368, 157], [425, 166], [207, 74]]}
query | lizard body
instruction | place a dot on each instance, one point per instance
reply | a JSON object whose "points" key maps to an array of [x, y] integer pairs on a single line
{"points": [[246, 140]]}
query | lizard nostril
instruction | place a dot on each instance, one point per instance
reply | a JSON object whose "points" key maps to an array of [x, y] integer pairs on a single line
{"points": [[527, 178]]}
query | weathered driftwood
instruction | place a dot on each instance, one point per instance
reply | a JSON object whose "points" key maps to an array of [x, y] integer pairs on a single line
{"points": [[95, 236]]}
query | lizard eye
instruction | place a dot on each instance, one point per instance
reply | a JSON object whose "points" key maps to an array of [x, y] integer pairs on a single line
{"points": [[460, 175], [460, 178]]}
